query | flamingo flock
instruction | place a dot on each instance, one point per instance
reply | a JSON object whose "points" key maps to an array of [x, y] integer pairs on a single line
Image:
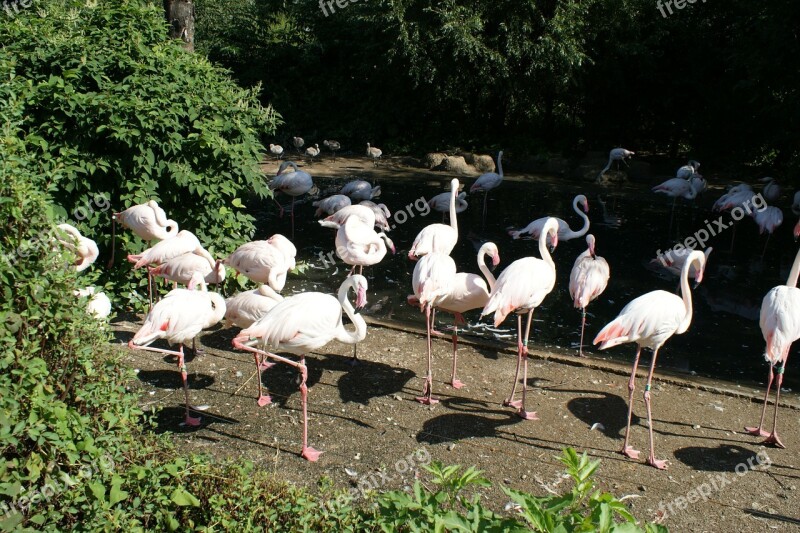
{"points": [[272, 324]]}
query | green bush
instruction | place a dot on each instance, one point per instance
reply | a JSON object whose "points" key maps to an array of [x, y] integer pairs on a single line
{"points": [[111, 106]]}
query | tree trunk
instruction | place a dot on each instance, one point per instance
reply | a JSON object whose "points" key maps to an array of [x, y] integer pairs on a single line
{"points": [[180, 16]]}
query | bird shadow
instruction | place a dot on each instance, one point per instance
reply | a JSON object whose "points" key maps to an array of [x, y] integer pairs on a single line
{"points": [[366, 379], [722, 458], [472, 421], [608, 409], [171, 379], [171, 420], [282, 381]]}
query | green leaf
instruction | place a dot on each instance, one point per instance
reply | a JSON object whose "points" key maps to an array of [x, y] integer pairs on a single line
{"points": [[183, 498]]}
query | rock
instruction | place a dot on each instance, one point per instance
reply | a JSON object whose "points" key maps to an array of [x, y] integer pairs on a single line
{"points": [[433, 160], [457, 164], [483, 163], [451, 447]]}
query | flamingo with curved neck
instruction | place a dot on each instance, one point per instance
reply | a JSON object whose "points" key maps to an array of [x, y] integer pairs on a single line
{"points": [[565, 233], [649, 321]]}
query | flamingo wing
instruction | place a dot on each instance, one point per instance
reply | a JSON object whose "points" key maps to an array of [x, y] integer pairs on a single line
{"points": [[780, 321], [648, 320], [523, 285]]}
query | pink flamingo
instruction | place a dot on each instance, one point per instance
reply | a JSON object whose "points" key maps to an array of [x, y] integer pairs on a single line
{"points": [[649, 321], [180, 269], [264, 261], [617, 154], [780, 326], [83, 247], [441, 203], [772, 190], [565, 233], [366, 215], [359, 245], [587, 281], [300, 324], [768, 220], [331, 204], [295, 183], [184, 242], [179, 317], [468, 292], [487, 182], [688, 170], [438, 237], [98, 304], [521, 288], [676, 187], [382, 214], [673, 260], [359, 190], [147, 220], [432, 282]]}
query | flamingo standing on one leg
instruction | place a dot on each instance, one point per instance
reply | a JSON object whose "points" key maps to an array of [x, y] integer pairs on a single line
{"points": [[780, 326], [521, 288], [617, 154], [487, 182], [358, 245], [439, 238], [265, 261], [295, 183], [179, 317], [565, 233], [432, 283], [300, 324], [148, 221], [468, 292], [676, 187], [649, 321], [587, 281]]}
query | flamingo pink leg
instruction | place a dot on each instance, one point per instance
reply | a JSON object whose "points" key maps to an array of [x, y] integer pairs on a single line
{"points": [[626, 449], [759, 431], [510, 402], [522, 413], [261, 364], [773, 437], [651, 459], [427, 393], [280, 207], [455, 382], [583, 327], [292, 217]]}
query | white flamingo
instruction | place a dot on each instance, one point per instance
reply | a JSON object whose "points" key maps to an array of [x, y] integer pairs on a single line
{"points": [[521, 288], [333, 146], [147, 220], [780, 326], [265, 262], [768, 220], [587, 281], [180, 269], [276, 150], [303, 323], [441, 203], [358, 245], [535, 228], [359, 190], [488, 181], [98, 304], [298, 143], [617, 154], [688, 170], [382, 214], [294, 183], [439, 238], [84, 248], [374, 153], [366, 215], [179, 317], [649, 321], [312, 152], [331, 204]]}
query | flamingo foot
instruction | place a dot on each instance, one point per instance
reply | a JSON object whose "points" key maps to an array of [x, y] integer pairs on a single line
{"points": [[628, 451], [264, 399], [310, 454], [656, 463], [757, 431], [437, 333], [456, 383], [512, 403], [774, 439], [427, 400], [192, 421], [527, 415], [264, 365]]}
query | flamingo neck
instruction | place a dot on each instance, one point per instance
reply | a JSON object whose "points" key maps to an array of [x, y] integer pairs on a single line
{"points": [[453, 221], [581, 232], [360, 331], [793, 274], [218, 303], [686, 294], [490, 279], [543, 251]]}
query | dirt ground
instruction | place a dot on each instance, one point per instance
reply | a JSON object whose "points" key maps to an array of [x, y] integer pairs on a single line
{"points": [[373, 434]]}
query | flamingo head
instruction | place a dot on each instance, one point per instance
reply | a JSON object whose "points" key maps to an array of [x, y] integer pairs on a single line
{"points": [[360, 285], [797, 230], [583, 202], [590, 242]]}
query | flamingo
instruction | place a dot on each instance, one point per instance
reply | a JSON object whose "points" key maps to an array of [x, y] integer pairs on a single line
{"points": [[521, 288], [737, 196], [295, 183], [363, 213], [276, 150], [688, 170], [649, 321], [382, 214], [536, 227], [179, 317], [98, 304], [796, 203], [438, 237], [780, 326], [441, 203], [331, 204], [312, 152], [359, 190], [673, 260], [147, 220], [676, 187], [357, 244], [333, 146], [587, 281], [183, 243], [771, 191], [617, 154], [180, 269], [265, 261], [490, 180], [83, 247], [298, 143], [374, 153], [300, 324], [768, 220], [432, 282], [468, 292]]}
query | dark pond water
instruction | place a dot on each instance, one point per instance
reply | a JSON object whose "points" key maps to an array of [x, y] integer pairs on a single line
{"points": [[724, 340]]}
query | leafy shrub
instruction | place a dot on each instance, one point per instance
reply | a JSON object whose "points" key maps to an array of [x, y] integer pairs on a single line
{"points": [[112, 106]]}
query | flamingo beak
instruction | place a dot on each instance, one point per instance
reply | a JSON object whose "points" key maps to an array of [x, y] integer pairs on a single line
{"points": [[586, 206], [797, 231], [361, 298], [495, 259]]}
